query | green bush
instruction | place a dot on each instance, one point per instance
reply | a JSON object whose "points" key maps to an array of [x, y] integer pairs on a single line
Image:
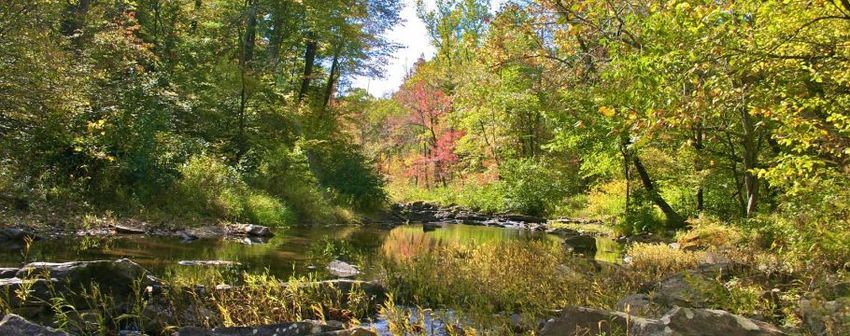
{"points": [[341, 168], [529, 186], [266, 210], [285, 174], [209, 187]]}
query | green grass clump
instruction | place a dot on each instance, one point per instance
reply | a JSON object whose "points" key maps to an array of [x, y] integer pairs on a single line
{"points": [[266, 210]]}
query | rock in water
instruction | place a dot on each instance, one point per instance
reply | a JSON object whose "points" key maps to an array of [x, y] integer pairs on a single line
{"points": [[6, 273], [114, 277], [14, 325], [342, 269], [223, 263], [253, 230], [582, 244], [127, 229]]}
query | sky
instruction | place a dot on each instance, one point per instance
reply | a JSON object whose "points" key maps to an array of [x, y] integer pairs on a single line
{"points": [[415, 42]]}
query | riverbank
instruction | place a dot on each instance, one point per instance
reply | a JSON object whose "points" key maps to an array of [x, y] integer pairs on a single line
{"points": [[497, 286]]}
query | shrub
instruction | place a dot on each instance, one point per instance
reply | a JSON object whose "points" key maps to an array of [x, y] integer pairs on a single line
{"points": [[342, 168], [209, 187], [263, 209], [285, 174], [658, 260], [529, 186], [706, 233], [607, 200]]}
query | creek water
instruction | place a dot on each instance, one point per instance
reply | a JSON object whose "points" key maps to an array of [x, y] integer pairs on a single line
{"points": [[297, 251]]}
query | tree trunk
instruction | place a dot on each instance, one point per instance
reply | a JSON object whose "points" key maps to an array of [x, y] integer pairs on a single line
{"points": [[699, 146], [309, 59], [329, 87], [75, 21], [624, 150], [277, 37], [750, 155], [674, 220], [245, 61], [194, 24]]}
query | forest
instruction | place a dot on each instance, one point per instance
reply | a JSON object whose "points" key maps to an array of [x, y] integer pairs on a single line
{"points": [[623, 161]]}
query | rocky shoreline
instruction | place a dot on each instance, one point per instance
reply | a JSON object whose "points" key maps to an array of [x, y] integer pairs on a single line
{"points": [[44, 281]]}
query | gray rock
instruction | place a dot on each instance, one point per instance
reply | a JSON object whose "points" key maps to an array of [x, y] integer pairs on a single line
{"points": [[586, 321], [186, 236], [223, 263], [677, 322], [15, 234], [38, 290], [685, 289], [710, 322], [824, 318], [207, 232], [6, 273], [639, 304], [126, 228], [342, 269], [523, 218], [252, 230], [115, 278], [302, 328], [14, 325], [563, 232], [281, 329]]}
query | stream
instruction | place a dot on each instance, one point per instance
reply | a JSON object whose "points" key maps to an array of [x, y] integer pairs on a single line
{"points": [[296, 251]]}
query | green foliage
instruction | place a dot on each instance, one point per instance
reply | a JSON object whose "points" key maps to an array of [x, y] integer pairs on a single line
{"points": [[209, 187], [286, 174], [529, 186], [266, 210], [344, 170]]}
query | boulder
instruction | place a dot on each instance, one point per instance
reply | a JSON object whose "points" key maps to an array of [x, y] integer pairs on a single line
{"points": [[222, 263], [14, 325], [186, 236], [342, 269], [640, 304], [824, 318], [582, 244], [207, 232], [711, 322], [281, 329], [113, 277], [252, 230], [37, 291], [302, 328], [16, 234], [6, 273], [677, 322], [12, 239], [686, 288], [586, 321], [374, 290]]}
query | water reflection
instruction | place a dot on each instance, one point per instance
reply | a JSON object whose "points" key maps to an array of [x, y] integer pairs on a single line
{"points": [[294, 251]]}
